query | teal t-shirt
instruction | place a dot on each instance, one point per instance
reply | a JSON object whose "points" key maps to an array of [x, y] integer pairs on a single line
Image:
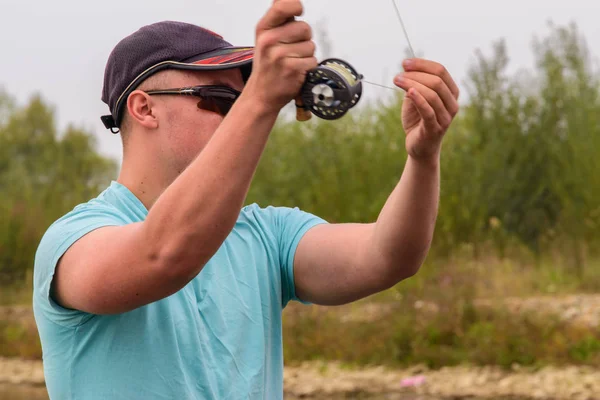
{"points": [[219, 337]]}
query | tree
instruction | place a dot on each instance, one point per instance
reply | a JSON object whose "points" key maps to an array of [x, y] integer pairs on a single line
{"points": [[42, 176]]}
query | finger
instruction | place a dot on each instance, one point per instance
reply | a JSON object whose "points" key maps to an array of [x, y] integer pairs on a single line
{"points": [[292, 32], [438, 85], [442, 115], [281, 11], [297, 69], [425, 110], [432, 67], [297, 50], [304, 64], [294, 50]]}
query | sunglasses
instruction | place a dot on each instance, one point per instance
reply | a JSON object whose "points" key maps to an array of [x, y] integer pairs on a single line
{"points": [[215, 98]]}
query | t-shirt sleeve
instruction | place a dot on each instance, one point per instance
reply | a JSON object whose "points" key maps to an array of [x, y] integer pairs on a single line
{"points": [[56, 241], [291, 224]]}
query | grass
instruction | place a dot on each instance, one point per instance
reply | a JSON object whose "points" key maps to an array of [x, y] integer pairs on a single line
{"points": [[460, 334], [19, 293], [436, 319], [19, 339]]}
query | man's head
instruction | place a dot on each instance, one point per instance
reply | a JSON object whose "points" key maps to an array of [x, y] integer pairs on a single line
{"points": [[172, 55]]}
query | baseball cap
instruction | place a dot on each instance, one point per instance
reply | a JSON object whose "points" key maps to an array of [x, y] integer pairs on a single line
{"points": [[165, 45]]}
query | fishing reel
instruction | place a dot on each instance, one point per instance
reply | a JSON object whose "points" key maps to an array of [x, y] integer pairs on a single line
{"points": [[329, 91]]}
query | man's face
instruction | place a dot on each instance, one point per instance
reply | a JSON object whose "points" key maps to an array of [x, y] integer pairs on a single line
{"points": [[184, 129]]}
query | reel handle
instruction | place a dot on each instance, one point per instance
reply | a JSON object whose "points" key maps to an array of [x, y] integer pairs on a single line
{"points": [[302, 113]]}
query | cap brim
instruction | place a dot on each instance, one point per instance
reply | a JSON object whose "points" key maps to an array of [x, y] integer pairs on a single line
{"points": [[220, 59], [228, 57]]}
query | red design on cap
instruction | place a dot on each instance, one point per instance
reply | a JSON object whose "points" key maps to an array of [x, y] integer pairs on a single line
{"points": [[235, 56], [213, 33]]}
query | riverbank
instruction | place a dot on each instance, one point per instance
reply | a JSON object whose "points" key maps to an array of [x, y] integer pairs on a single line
{"points": [[16, 371], [319, 380], [332, 379]]}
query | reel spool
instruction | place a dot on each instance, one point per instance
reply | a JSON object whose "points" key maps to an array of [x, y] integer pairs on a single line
{"points": [[330, 90]]}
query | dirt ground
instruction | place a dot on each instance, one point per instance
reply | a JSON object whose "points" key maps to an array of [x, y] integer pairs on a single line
{"points": [[328, 380], [331, 380]]}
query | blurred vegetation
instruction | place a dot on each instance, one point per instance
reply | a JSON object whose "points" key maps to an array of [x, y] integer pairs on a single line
{"points": [[471, 312], [519, 164], [43, 174], [460, 334], [519, 211]]}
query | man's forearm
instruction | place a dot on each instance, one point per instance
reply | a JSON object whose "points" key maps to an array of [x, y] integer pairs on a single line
{"points": [[404, 229], [195, 214]]}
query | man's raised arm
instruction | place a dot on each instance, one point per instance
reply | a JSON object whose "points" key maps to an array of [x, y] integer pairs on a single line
{"points": [[117, 269], [341, 263]]}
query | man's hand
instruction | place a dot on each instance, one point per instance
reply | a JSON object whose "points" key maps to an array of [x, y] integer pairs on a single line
{"points": [[284, 53], [430, 106]]}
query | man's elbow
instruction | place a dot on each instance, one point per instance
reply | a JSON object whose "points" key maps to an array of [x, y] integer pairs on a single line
{"points": [[410, 270], [398, 270], [413, 260]]}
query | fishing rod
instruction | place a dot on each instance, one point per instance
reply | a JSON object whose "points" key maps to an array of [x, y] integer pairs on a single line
{"points": [[334, 87]]}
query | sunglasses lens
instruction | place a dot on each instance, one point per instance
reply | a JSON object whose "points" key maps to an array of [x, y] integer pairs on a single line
{"points": [[215, 104]]}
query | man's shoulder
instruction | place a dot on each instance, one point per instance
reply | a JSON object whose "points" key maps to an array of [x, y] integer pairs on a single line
{"points": [[280, 220], [57, 239], [82, 213], [81, 219], [272, 214], [255, 209], [284, 227]]}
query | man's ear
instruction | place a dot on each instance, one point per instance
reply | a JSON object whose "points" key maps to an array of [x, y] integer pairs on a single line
{"points": [[141, 109]]}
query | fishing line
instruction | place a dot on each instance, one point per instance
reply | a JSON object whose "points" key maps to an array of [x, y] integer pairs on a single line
{"points": [[412, 52], [343, 71], [407, 40], [380, 85]]}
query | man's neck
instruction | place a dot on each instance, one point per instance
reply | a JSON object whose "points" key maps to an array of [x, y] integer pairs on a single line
{"points": [[145, 178]]}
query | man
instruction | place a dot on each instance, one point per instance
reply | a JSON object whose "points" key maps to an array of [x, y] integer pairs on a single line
{"points": [[165, 286]]}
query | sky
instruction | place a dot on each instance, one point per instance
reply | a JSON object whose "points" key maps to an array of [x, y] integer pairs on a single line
{"points": [[59, 48]]}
